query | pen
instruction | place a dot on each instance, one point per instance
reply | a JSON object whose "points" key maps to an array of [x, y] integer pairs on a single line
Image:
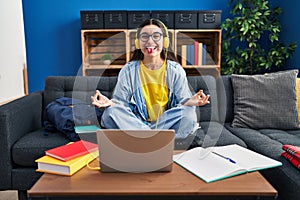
{"points": [[232, 161]]}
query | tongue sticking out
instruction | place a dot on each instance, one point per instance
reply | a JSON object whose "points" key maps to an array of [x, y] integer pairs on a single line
{"points": [[149, 49]]}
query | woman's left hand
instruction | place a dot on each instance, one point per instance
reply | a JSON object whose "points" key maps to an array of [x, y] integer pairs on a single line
{"points": [[198, 99], [100, 101]]}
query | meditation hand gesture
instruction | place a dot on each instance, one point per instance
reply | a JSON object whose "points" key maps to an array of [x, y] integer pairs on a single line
{"points": [[100, 101], [198, 99]]}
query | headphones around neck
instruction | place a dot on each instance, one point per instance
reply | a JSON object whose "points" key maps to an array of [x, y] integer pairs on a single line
{"points": [[166, 41]]}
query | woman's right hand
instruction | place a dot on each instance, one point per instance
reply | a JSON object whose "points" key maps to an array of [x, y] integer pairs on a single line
{"points": [[100, 101], [198, 99]]}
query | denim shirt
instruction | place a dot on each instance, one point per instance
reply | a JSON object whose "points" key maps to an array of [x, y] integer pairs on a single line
{"points": [[128, 90]]}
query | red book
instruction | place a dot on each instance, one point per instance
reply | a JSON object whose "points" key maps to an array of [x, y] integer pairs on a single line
{"points": [[293, 150], [72, 150], [295, 162]]}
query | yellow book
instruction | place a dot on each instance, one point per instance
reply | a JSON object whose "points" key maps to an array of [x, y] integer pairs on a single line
{"points": [[200, 54], [183, 55], [52, 165]]}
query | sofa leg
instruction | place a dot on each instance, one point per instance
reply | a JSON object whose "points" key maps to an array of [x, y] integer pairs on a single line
{"points": [[22, 194]]}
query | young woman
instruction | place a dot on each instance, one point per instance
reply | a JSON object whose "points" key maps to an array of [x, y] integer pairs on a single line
{"points": [[152, 91]]}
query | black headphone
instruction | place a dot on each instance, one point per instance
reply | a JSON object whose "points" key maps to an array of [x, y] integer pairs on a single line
{"points": [[166, 39]]}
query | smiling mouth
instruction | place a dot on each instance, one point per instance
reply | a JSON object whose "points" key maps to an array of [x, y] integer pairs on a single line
{"points": [[150, 49]]}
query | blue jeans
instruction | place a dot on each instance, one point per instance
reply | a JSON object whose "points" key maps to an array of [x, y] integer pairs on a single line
{"points": [[182, 119]]}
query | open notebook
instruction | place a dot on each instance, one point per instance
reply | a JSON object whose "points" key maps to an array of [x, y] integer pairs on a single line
{"points": [[216, 163]]}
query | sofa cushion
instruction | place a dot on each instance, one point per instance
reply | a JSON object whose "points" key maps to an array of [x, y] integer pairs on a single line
{"points": [[216, 135], [265, 101], [33, 145], [264, 140], [225, 94], [209, 112], [269, 142], [210, 134], [78, 87]]}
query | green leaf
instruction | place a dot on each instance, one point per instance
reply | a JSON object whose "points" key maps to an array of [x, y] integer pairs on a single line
{"points": [[240, 6]]}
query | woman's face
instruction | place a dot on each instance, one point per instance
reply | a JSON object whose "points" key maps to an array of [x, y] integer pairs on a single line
{"points": [[151, 41]]}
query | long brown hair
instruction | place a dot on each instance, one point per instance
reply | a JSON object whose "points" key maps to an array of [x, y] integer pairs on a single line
{"points": [[137, 53]]}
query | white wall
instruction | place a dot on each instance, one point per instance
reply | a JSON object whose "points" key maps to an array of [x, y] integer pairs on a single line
{"points": [[12, 50]]}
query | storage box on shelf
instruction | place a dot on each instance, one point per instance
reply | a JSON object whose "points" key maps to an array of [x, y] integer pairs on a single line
{"points": [[186, 19], [135, 18], [166, 16], [209, 19], [115, 19], [92, 19]]}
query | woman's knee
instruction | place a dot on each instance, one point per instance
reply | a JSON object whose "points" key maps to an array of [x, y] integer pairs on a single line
{"points": [[107, 119], [113, 111], [189, 115]]}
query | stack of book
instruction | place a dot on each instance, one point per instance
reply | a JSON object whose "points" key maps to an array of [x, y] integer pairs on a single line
{"points": [[68, 159], [292, 154], [193, 54]]}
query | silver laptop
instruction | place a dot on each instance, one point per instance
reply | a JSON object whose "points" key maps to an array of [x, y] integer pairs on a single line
{"points": [[135, 151]]}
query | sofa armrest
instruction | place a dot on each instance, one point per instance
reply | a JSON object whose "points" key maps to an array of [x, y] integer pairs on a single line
{"points": [[17, 118]]}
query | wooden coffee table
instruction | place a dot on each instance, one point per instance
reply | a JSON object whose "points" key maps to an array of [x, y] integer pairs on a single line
{"points": [[178, 184]]}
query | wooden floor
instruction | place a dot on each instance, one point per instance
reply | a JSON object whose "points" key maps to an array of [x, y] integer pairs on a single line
{"points": [[9, 195]]}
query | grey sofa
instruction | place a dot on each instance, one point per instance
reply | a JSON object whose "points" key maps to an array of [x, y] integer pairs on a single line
{"points": [[22, 138]]}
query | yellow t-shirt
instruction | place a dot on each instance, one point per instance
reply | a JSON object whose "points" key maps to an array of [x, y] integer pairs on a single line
{"points": [[155, 90]]}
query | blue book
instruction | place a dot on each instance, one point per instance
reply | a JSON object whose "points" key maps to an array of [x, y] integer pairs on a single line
{"points": [[192, 61], [189, 54], [86, 129], [204, 54]]}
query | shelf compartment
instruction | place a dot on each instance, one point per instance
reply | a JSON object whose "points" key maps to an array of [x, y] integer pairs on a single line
{"points": [[96, 43], [211, 38]]}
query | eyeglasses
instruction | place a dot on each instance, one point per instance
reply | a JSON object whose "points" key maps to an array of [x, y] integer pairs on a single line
{"points": [[156, 36]]}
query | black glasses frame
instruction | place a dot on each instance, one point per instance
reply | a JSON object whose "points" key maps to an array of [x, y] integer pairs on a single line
{"points": [[156, 36]]}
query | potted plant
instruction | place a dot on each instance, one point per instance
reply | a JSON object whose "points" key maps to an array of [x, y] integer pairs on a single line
{"points": [[251, 38], [106, 58]]}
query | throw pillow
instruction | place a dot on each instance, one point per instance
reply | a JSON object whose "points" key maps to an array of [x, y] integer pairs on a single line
{"points": [[265, 101], [292, 159], [298, 97]]}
